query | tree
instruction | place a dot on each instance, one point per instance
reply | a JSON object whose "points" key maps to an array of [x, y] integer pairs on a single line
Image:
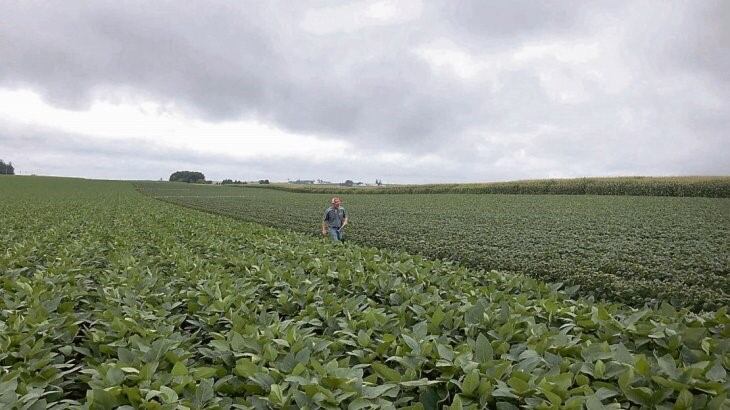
{"points": [[263, 181], [6, 169], [349, 183], [187, 176]]}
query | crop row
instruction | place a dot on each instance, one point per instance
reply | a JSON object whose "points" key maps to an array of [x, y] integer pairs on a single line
{"points": [[712, 187], [634, 250], [110, 299]]}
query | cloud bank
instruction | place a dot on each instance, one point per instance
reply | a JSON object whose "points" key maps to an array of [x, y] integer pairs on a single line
{"points": [[404, 91]]}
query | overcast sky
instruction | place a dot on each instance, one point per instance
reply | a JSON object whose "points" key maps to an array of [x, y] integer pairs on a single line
{"points": [[404, 91]]}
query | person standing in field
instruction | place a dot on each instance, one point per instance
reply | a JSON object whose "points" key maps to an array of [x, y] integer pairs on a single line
{"points": [[335, 219]]}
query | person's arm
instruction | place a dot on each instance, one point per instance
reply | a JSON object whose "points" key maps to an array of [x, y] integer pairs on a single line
{"points": [[324, 224], [344, 212]]}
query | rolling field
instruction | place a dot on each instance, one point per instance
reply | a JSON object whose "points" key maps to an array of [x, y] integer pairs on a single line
{"points": [[630, 249], [111, 299]]}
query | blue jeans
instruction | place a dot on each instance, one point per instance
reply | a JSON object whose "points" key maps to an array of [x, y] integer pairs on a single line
{"points": [[335, 234]]}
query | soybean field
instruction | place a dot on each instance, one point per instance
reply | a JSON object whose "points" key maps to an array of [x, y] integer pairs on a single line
{"points": [[632, 249], [112, 299]]}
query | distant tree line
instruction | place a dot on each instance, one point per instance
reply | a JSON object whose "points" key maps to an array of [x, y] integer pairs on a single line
{"points": [[302, 182], [347, 183], [6, 169], [188, 176], [350, 183], [230, 181]]}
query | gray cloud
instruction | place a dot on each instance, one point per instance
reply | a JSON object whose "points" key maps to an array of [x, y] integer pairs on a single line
{"points": [[653, 101], [500, 23], [49, 152]]}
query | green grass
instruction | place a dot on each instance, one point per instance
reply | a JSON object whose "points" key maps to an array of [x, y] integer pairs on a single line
{"points": [[109, 298], [630, 249], [696, 186]]}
